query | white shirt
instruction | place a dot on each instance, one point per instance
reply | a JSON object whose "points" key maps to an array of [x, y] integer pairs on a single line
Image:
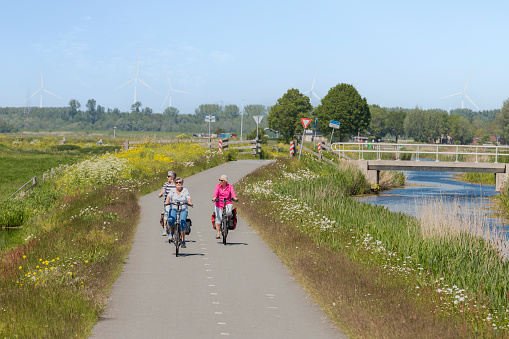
{"points": [[182, 197]]}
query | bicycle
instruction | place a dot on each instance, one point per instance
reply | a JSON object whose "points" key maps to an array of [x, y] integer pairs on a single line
{"points": [[177, 236], [224, 219]]}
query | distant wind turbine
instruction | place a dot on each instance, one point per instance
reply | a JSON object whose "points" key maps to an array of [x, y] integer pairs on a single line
{"points": [[42, 89], [464, 94], [311, 90], [168, 96], [136, 78]]}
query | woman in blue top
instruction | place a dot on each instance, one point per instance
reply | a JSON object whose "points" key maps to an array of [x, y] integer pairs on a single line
{"points": [[179, 194]]}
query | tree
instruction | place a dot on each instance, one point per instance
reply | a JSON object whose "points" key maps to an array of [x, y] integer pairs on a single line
{"points": [[425, 126], [395, 123], [90, 115], [219, 130], [344, 104], [74, 107], [262, 135], [285, 115], [136, 106], [377, 126], [461, 130]]}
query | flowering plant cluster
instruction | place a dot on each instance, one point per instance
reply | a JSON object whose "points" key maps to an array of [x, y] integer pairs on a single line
{"points": [[284, 188]]}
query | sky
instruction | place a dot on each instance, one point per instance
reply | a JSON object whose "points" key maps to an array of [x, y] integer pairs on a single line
{"points": [[395, 53]]}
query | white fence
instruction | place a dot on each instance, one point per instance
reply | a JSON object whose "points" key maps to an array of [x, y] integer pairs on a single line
{"points": [[484, 153]]}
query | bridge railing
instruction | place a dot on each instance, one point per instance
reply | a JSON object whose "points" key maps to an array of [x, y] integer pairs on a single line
{"points": [[441, 152]]}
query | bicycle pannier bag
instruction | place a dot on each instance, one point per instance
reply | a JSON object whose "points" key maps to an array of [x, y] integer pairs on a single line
{"points": [[188, 226]]}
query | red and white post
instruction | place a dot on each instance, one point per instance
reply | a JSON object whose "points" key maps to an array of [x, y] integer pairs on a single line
{"points": [[292, 148], [220, 146]]}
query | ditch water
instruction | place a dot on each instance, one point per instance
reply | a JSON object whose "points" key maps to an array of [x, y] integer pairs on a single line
{"points": [[469, 200]]}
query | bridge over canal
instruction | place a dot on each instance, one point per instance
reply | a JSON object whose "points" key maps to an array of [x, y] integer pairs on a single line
{"points": [[386, 156]]}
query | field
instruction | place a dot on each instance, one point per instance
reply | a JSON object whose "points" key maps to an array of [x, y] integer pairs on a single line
{"points": [[72, 233]]}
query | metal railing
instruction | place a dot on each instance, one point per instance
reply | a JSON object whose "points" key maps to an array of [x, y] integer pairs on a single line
{"points": [[488, 151], [32, 181]]}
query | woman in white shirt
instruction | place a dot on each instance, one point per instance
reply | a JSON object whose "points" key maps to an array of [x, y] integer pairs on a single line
{"points": [[179, 194]]}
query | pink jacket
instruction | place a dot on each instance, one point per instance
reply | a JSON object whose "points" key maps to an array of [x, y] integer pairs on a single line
{"points": [[228, 192]]}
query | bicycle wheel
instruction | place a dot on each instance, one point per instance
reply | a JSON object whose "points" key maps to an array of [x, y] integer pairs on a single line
{"points": [[224, 229], [177, 236]]}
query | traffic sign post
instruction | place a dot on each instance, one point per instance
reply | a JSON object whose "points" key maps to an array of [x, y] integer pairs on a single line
{"points": [[258, 119], [334, 125], [314, 139], [210, 118], [305, 123]]}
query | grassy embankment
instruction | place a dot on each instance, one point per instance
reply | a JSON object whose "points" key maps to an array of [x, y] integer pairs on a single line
{"points": [[376, 273], [76, 230]]}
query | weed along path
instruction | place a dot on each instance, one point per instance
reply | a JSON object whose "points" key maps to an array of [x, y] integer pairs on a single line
{"points": [[241, 290]]}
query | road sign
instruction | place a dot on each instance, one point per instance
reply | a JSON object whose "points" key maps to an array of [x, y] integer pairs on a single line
{"points": [[210, 118], [334, 124], [305, 122], [258, 118]]}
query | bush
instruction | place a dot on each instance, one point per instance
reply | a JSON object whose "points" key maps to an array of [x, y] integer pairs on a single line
{"points": [[13, 213], [65, 147]]}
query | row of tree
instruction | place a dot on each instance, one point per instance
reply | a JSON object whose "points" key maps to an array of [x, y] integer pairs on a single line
{"points": [[96, 117], [344, 104]]}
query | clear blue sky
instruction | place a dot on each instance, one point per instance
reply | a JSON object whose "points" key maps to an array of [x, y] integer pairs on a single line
{"points": [[396, 53]]}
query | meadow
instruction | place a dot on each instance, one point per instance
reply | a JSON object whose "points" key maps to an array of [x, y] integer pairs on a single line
{"points": [[377, 273], [73, 232]]}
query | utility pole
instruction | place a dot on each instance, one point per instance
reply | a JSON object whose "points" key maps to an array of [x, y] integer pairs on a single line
{"points": [[241, 119]]}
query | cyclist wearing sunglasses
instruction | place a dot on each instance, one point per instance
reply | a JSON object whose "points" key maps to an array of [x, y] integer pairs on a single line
{"points": [[169, 185], [223, 190], [179, 194]]}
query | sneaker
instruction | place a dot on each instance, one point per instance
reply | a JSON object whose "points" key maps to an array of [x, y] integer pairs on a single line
{"points": [[164, 233], [171, 236], [183, 244]]}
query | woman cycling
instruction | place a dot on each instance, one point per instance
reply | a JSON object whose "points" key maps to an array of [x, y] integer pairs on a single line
{"points": [[169, 185], [223, 190], [179, 194]]}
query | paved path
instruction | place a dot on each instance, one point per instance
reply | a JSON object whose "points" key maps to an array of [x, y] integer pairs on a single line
{"points": [[241, 290]]}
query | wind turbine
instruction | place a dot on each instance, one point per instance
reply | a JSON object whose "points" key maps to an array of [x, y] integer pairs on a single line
{"points": [[42, 89], [464, 94], [136, 78], [311, 90], [168, 96]]}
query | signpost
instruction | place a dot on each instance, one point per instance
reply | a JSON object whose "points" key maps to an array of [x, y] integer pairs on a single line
{"points": [[210, 118], [314, 139], [334, 125], [258, 119], [305, 123]]}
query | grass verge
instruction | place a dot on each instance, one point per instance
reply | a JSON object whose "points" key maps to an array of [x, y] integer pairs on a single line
{"points": [[371, 270]]}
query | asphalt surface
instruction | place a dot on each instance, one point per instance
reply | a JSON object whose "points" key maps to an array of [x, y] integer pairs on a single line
{"points": [[241, 290]]}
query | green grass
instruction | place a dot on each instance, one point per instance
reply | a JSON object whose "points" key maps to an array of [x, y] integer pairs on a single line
{"points": [[388, 245], [57, 268]]}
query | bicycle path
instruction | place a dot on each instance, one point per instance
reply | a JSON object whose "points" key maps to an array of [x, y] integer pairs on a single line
{"points": [[241, 290]]}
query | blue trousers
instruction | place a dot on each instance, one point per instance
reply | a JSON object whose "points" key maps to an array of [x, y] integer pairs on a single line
{"points": [[173, 217]]}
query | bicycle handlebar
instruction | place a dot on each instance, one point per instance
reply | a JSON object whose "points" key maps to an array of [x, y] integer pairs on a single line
{"points": [[224, 200], [178, 203]]}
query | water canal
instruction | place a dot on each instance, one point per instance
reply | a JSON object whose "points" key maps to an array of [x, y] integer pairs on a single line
{"points": [[442, 188]]}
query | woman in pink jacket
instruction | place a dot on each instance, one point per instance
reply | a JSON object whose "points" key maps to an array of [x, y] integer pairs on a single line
{"points": [[223, 190]]}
